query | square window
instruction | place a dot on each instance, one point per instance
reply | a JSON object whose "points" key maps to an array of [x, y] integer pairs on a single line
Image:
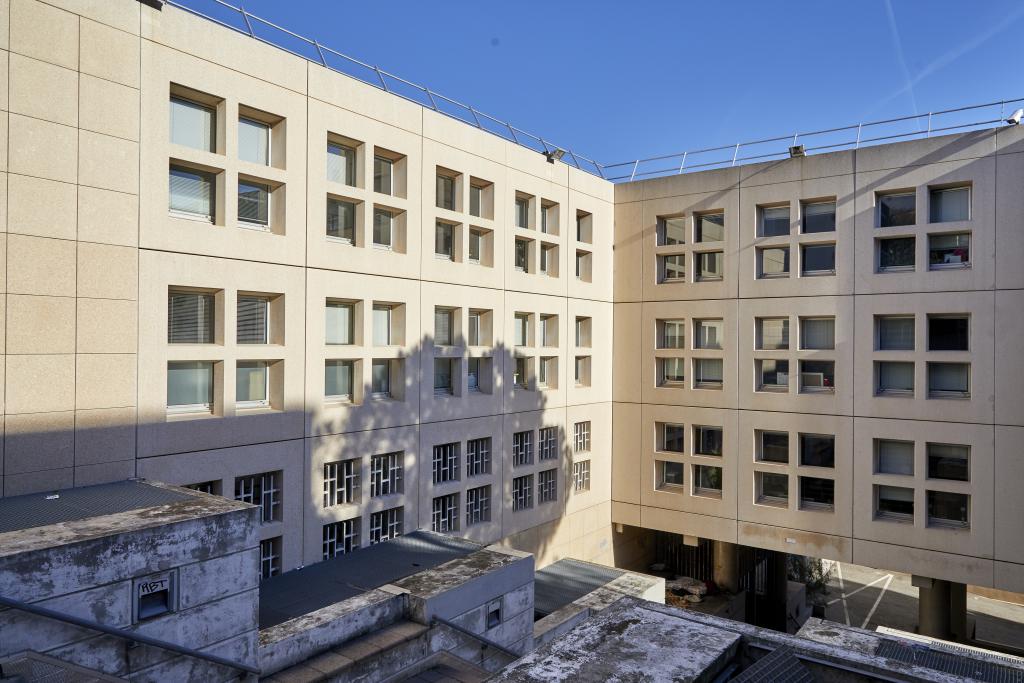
{"points": [[193, 125], [772, 334], [774, 221], [671, 231], [340, 538], [894, 457], [774, 447], [894, 378], [387, 472], [948, 332], [671, 474], [673, 370], [339, 325], [707, 481], [946, 509], [819, 217], [707, 373], [897, 209], [894, 503], [253, 320], [710, 227], [341, 482], [673, 438], [386, 524], [253, 141], [949, 380], [478, 457], [253, 204], [896, 254], [818, 450], [341, 220], [583, 327], [817, 493], [772, 488], [191, 193], [817, 334], [189, 386], [773, 263], [949, 461], [252, 384], [672, 334], [190, 318], [709, 266], [894, 332], [547, 443], [949, 204], [818, 259], [338, 379], [445, 463], [817, 376], [672, 267], [707, 441], [709, 334], [341, 164], [949, 251], [772, 375]]}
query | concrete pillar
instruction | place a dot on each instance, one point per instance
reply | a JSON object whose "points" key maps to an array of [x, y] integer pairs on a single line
{"points": [[726, 569], [941, 608], [778, 589]]}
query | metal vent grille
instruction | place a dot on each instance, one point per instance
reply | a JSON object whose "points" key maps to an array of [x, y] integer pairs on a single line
{"points": [[778, 666], [960, 663], [69, 505], [566, 581]]}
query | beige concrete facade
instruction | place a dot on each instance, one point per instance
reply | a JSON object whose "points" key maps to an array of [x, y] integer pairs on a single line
{"points": [[551, 287], [92, 253], [858, 410]]}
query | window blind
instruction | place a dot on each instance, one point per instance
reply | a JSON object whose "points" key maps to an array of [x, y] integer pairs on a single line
{"points": [[952, 377], [341, 164], [251, 382], [190, 318], [818, 333], [189, 383], [442, 327], [339, 323], [254, 203], [253, 141], [709, 370], [190, 192], [252, 319], [953, 204], [895, 457], [192, 125], [896, 334], [774, 333], [382, 325], [895, 376], [338, 378]]}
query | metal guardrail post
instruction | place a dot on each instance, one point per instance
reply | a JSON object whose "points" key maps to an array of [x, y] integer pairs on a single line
{"points": [[633, 174], [735, 153], [383, 83], [248, 24]]}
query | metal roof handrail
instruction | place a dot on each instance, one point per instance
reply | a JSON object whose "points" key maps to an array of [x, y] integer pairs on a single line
{"points": [[129, 636], [501, 129]]}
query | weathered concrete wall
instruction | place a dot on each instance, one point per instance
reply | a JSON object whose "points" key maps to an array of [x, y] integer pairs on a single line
{"points": [[89, 568]]}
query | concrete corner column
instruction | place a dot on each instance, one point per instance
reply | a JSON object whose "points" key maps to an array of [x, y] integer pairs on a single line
{"points": [[726, 571], [941, 608]]}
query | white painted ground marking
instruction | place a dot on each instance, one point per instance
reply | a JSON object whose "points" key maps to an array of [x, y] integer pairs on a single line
{"points": [[867, 585], [842, 591], [871, 612]]}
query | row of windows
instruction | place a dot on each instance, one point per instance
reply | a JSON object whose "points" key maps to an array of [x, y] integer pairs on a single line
{"points": [[893, 209]]}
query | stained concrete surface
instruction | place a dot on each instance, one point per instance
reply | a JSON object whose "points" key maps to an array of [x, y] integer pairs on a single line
{"points": [[866, 598]]}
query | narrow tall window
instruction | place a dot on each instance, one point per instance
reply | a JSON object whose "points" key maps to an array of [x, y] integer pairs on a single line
{"points": [[444, 516], [339, 327], [445, 192], [341, 164], [382, 325], [444, 333], [443, 374], [522, 493], [338, 379], [270, 557], [444, 244], [522, 212], [253, 141], [252, 384], [446, 463], [478, 505], [193, 125], [253, 319], [341, 220], [253, 204], [522, 258], [474, 335], [476, 244], [476, 200], [522, 329], [380, 377], [383, 171], [383, 227], [547, 443], [522, 448], [581, 476]]}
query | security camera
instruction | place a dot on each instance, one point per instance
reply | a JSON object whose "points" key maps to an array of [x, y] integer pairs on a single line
{"points": [[1015, 117]]}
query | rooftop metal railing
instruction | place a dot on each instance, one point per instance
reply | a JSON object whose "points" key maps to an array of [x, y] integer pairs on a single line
{"points": [[268, 32], [960, 119], [972, 117]]}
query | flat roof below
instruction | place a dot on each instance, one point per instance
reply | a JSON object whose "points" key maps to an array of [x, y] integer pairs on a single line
{"points": [[70, 505], [308, 589], [566, 581]]}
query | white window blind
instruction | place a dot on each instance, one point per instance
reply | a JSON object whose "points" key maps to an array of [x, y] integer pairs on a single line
{"points": [[774, 333], [896, 334], [522, 322], [253, 141], [189, 384], [953, 204], [252, 319], [895, 457], [190, 318], [817, 333], [192, 124], [191, 192], [338, 378], [251, 385], [341, 164], [253, 203], [381, 325], [442, 327], [338, 325]]}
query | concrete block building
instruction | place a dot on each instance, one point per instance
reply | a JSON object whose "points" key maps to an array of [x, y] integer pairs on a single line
{"points": [[235, 269]]}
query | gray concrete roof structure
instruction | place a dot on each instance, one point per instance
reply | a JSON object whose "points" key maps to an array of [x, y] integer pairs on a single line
{"points": [[566, 581]]}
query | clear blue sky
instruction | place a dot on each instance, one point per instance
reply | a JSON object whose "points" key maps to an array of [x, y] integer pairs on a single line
{"points": [[617, 80]]}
